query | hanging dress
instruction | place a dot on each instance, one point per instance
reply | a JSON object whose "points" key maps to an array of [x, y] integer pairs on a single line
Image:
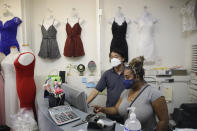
{"points": [[49, 46], [8, 34], [11, 97], [2, 97], [146, 45], [119, 38], [25, 84], [188, 16], [73, 46]]}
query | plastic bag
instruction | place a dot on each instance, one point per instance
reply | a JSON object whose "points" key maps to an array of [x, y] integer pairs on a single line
{"points": [[24, 121]]}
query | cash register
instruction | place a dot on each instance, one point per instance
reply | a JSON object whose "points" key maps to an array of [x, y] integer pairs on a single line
{"points": [[64, 114]]}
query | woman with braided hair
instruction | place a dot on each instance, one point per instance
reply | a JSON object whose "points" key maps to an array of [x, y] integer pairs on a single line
{"points": [[147, 100]]}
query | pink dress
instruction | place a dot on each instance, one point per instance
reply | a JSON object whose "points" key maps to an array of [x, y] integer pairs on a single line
{"points": [[2, 101]]}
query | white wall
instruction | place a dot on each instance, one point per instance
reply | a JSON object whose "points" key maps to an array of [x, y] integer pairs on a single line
{"points": [[61, 10], [171, 43]]}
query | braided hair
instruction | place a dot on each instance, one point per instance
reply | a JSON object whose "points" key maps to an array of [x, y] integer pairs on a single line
{"points": [[136, 67]]}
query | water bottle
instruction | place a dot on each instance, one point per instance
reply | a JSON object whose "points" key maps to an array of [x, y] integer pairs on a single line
{"points": [[132, 123]]}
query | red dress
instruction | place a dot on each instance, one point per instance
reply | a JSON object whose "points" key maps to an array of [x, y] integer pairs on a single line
{"points": [[25, 84], [73, 46]]}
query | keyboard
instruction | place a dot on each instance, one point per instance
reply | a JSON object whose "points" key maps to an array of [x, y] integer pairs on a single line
{"points": [[63, 114]]}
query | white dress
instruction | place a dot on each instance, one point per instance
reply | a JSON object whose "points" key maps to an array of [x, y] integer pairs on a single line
{"points": [[11, 97], [188, 17], [146, 45]]}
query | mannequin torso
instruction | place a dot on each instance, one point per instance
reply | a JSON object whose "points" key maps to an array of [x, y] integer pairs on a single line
{"points": [[147, 17], [25, 84], [49, 21], [27, 58], [12, 56], [9, 26], [146, 43], [6, 15], [5, 19], [119, 18], [74, 18]]}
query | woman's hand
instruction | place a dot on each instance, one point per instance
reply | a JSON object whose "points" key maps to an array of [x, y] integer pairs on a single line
{"points": [[108, 110], [98, 109]]}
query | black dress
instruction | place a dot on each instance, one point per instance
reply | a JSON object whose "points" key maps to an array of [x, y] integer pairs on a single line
{"points": [[119, 39]]}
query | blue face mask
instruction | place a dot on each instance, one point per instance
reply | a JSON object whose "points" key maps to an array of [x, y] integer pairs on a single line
{"points": [[128, 83]]}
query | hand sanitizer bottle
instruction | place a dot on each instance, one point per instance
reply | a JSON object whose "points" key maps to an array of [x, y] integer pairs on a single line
{"points": [[132, 123]]}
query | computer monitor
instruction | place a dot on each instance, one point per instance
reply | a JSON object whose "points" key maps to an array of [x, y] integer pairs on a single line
{"points": [[75, 97]]}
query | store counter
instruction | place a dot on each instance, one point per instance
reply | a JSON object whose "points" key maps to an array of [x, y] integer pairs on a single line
{"points": [[46, 123]]}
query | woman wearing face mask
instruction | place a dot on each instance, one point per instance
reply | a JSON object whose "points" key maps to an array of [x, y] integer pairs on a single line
{"points": [[147, 100]]}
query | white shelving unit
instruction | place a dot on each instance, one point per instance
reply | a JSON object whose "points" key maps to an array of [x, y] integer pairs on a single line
{"points": [[193, 82]]}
